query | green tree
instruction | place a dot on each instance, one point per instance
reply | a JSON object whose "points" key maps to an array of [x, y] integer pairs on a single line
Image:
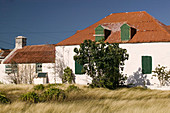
{"points": [[102, 62], [162, 74], [68, 76]]}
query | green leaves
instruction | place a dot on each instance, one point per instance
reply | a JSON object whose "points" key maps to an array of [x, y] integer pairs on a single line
{"points": [[68, 76], [30, 97], [101, 62], [4, 99], [162, 74]]}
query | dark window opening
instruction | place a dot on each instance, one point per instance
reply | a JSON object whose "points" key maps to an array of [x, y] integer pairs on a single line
{"points": [[133, 32], [107, 33]]}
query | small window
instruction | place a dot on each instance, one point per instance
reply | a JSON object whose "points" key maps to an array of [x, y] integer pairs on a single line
{"points": [[11, 68], [8, 68], [38, 67], [146, 64], [78, 68]]}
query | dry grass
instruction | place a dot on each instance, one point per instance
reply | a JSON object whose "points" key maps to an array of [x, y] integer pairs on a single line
{"points": [[88, 100]]}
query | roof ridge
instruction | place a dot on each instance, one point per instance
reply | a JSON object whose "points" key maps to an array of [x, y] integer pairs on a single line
{"points": [[39, 45], [129, 12]]}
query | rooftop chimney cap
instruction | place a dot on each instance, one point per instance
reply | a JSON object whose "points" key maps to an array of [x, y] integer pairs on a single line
{"points": [[20, 37]]}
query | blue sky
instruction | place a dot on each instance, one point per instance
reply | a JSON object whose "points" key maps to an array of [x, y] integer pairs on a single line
{"points": [[51, 21]]}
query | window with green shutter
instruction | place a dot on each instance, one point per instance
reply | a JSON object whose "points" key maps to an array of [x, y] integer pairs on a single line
{"points": [[8, 68], [125, 32], [38, 67], [78, 68], [99, 33], [146, 64]]}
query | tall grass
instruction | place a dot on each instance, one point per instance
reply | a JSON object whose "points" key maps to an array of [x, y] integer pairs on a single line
{"points": [[87, 100]]}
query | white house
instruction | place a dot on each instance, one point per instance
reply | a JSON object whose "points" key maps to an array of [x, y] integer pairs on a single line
{"points": [[35, 63], [146, 39]]}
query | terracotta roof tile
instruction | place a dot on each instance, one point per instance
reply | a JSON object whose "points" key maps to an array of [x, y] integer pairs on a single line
{"points": [[4, 53], [33, 54], [148, 28]]}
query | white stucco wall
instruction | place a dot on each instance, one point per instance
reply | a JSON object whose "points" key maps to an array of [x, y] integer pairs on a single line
{"points": [[48, 68], [4, 78], [133, 68], [25, 70], [64, 58], [160, 55]]}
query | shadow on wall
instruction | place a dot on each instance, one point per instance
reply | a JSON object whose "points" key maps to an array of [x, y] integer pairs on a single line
{"points": [[138, 79]]}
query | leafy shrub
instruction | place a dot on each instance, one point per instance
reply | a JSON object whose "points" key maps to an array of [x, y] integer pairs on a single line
{"points": [[72, 88], [54, 94], [162, 74], [39, 87], [30, 97], [68, 76], [52, 85], [4, 100]]}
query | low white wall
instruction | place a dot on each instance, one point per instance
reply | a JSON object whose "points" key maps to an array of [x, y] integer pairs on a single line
{"points": [[158, 87]]}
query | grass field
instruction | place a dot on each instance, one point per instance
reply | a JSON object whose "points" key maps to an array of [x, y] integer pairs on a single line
{"points": [[87, 100]]}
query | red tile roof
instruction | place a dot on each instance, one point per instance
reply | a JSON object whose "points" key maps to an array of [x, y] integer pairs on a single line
{"points": [[4, 53], [148, 28], [33, 54]]}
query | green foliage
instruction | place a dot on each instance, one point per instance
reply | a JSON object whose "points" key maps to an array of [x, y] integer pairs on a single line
{"points": [[53, 85], [4, 100], [68, 76], [72, 88], [162, 74], [39, 87], [102, 62], [30, 97], [54, 94]]}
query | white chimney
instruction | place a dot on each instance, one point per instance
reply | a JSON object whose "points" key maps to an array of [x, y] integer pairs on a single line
{"points": [[20, 42]]}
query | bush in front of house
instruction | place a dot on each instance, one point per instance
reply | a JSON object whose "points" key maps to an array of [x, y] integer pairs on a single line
{"points": [[39, 87], [4, 100], [72, 88], [30, 97], [162, 74], [68, 76], [53, 85], [53, 94]]}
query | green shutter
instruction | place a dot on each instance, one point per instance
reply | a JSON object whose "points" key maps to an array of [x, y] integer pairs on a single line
{"points": [[125, 32], [146, 64], [78, 68], [8, 68], [99, 33]]}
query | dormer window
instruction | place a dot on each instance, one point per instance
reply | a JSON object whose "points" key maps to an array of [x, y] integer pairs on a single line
{"points": [[127, 32], [101, 33]]}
